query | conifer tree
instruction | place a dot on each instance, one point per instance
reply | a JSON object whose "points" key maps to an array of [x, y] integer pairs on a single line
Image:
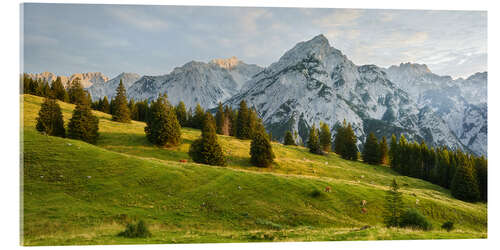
{"points": [[313, 142], [207, 149], [464, 184], [105, 105], [228, 121], [339, 142], [371, 150], [351, 150], [289, 138], [325, 137], [243, 131], [181, 113], [198, 117], [121, 111], [219, 119], [133, 109], [384, 151], [58, 90], [393, 205], [189, 118], [50, 119], [261, 151], [162, 128], [76, 93], [481, 167], [83, 125]]}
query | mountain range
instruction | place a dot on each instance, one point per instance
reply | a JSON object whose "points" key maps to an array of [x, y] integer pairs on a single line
{"points": [[314, 82]]}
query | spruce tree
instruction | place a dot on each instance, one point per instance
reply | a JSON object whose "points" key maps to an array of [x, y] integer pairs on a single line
{"points": [[313, 142], [339, 142], [105, 105], [133, 109], [198, 117], [261, 151], [50, 119], [219, 119], [289, 138], [384, 151], [228, 121], [481, 167], [121, 111], [464, 185], [75, 92], [58, 90], [207, 149], [83, 125], [162, 128], [181, 113], [243, 122], [325, 137], [351, 150], [393, 205], [371, 152]]}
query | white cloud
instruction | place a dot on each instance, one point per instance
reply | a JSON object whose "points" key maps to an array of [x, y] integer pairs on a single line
{"points": [[139, 19]]}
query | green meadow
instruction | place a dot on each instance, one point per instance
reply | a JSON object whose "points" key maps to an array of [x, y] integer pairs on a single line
{"points": [[78, 193]]}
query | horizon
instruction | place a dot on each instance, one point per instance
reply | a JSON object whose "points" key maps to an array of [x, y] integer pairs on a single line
{"points": [[138, 39]]}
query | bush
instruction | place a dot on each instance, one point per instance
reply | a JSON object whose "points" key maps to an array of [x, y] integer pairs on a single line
{"points": [[414, 219], [315, 193], [138, 230], [448, 226], [261, 151]]}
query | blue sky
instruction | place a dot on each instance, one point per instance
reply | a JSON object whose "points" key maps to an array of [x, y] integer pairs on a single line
{"points": [[152, 40]]}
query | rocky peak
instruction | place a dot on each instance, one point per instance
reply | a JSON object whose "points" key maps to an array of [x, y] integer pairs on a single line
{"points": [[227, 63]]}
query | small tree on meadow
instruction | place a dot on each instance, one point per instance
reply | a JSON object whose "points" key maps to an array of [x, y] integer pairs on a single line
{"points": [[243, 122], [393, 205], [83, 125], [313, 142], [181, 113], [198, 117], [50, 119], [162, 128], [325, 137], [261, 151], [121, 111], [206, 149], [371, 153], [289, 138]]}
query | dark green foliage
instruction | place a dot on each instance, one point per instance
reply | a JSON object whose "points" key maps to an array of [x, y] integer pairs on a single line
{"points": [[230, 116], [261, 151], [142, 110], [58, 90], [243, 122], [464, 184], [313, 142], [393, 205], [412, 218], [162, 128], [393, 153], [76, 93], [371, 150], [138, 230], [121, 111], [133, 109], [315, 193], [50, 119], [325, 137], [198, 117], [384, 151], [207, 149], [289, 139], [345, 142], [481, 167], [104, 106], [180, 111], [448, 226], [83, 125], [220, 119]]}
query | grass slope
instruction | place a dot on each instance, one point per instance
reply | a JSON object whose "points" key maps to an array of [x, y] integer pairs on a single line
{"points": [[77, 193]]}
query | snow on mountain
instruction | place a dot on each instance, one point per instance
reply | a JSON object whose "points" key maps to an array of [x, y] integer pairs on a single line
{"points": [[197, 82], [108, 88], [315, 82], [86, 79], [462, 103]]}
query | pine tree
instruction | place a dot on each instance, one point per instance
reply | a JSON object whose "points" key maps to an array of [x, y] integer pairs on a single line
{"points": [[228, 121], [121, 111], [58, 90], [162, 128], [83, 125], [464, 185], [384, 151], [219, 119], [207, 149], [313, 142], [243, 122], [325, 137], [481, 167], [371, 150], [289, 138], [351, 150], [198, 117], [339, 142], [261, 151], [50, 119], [105, 105], [181, 113], [76, 93], [133, 109], [393, 205]]}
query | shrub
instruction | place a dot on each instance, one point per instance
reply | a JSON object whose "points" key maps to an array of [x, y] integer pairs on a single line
{"points": [[83, 125], [414, 219], [448, 226], [138, 230], [207, 149], [315, 193], [261, 151]]}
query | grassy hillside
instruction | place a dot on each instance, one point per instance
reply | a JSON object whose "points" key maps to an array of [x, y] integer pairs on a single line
{"points": [[77, 193]]}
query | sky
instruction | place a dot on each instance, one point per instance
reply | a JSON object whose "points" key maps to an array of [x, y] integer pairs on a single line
{"points": [[153, 40]]}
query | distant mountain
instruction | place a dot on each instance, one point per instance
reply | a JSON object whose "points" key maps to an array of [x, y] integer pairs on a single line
{"points": [[86, 79], [462, 103], [197, 82], [315, 82], [108, 88]]}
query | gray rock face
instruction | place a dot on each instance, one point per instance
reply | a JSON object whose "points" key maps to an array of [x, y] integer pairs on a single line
{"points": [[108, 88], [315, 82], [196, 82], [86, 79]]}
